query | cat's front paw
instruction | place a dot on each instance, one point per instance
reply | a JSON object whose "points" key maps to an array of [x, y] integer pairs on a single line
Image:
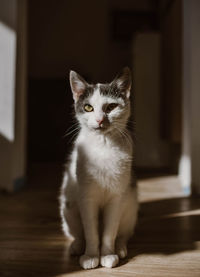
{"points": [[88, 262], [121, 251], [109, 260]]}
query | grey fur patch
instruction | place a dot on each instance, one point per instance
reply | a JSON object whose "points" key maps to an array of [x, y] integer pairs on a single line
{"points": [[111, 90], [84, 97]]}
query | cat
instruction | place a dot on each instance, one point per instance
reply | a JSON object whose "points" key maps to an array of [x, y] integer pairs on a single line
{"points": [[98, 178]]}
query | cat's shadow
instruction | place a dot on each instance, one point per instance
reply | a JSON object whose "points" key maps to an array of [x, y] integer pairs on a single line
{"points": [[166, 227]]}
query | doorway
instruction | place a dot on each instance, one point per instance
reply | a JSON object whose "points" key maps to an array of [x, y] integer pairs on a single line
{"points": [[61, 37]]}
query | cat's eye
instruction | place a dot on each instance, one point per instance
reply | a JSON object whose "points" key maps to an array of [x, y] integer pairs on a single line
{"points": [[111, 107], [88, 108]]}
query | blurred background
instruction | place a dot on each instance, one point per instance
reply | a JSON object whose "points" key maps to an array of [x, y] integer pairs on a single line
{"points": [[42, 40], [97, 39]]}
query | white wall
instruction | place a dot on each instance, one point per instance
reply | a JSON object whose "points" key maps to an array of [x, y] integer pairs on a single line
{"points": [[7, 67], [190, 161], [12, 93]]}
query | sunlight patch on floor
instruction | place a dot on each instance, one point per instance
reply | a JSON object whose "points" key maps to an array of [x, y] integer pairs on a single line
{"points": [[159, 188]]}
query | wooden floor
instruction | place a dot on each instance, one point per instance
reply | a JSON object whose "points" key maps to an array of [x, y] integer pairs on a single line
{"points": [[166, 242]]}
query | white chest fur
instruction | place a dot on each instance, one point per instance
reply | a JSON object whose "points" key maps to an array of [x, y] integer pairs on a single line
{"points": [[107, 161]]}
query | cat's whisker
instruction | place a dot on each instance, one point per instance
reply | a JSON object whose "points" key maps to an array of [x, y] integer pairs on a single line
{"points": [[125, 135], [73, 136], [74, 124], [72, 129], [122, 136], [68, 133]]}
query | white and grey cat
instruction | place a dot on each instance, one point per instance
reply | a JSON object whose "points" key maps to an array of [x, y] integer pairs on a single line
{"points": [[98, 179]]}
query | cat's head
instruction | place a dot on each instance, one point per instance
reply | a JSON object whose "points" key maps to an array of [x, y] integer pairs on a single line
{"points": [[102, 108]]}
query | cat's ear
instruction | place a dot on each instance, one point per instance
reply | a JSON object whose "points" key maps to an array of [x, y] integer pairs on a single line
{"points": [[123, 81], [78, 85]]}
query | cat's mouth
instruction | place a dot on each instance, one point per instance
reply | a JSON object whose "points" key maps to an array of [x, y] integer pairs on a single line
{"points": [[100, 128]]}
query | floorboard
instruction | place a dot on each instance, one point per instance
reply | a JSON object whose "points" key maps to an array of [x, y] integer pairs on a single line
{"points": [[166, 241]]}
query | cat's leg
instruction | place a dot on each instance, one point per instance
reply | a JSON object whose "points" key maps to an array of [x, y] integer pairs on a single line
{"points": [[76, 229], [70, 216], [124, 233], [89, 215], [72, 227], [111, 219], [127, 223]]}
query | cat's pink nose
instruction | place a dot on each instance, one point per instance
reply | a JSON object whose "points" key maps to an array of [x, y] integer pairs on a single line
{"points": [[100, 121]]}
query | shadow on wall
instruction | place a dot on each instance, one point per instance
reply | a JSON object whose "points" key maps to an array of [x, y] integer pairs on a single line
{"points": [[50, 116]]}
